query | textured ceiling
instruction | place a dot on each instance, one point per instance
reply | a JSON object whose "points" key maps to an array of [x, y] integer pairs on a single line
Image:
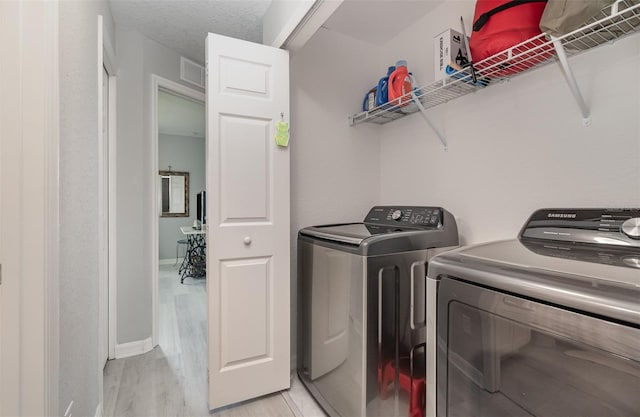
{"points": [[182, 25]]}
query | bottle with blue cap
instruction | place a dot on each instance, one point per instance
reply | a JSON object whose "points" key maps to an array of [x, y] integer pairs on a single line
{"points": [[383, 88]]}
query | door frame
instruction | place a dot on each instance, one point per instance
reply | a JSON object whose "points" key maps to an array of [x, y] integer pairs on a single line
{"points": [[107, 313], [110, 65], [158, 83]]}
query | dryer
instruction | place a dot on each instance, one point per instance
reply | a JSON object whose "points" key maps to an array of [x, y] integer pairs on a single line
{"points": [[546, 325], [361, 306]]}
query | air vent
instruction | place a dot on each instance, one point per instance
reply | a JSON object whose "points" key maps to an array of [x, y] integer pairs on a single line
{"points": [[191, 72]]}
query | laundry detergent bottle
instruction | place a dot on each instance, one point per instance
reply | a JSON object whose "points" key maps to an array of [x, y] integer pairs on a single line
{"points": [[400, 83], [383, 88]]}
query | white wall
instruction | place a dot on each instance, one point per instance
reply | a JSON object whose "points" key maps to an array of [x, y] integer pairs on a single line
{"points": [[334, 167], [415, 43], [186, 154], [79, 374], [281, 18], [138, 58], [518, 146]]}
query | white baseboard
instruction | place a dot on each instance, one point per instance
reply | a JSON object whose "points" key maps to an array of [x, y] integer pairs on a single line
{"points": [[169, 261], [124, 350], [99, 410]]}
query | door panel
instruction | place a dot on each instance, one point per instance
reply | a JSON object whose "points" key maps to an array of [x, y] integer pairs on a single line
{"points": [[243, 77], [245, 160], [246, 326], [248, 234]]}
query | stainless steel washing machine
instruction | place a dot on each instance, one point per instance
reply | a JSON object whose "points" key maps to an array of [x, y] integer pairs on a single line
{"points": [[361, 305], [546, 325]]}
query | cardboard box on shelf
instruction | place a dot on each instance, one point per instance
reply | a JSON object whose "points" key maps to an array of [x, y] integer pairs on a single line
{"points": [[448, 47]]}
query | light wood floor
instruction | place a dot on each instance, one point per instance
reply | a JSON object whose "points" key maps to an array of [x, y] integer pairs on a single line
{"points": [[171, 379]]}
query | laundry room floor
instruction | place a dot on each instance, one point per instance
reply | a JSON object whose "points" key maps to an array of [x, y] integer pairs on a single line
{"points": [[171, 379]]}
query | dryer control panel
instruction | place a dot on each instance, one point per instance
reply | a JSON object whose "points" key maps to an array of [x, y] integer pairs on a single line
{"points": [[406, 216], [609, 226]]}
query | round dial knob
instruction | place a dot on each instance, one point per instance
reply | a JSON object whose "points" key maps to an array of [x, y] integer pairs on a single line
{"points": [[396, 215], [632, 261], [631, 228]]}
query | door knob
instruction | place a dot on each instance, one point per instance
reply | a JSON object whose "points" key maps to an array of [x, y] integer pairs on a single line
{"points": [[247, 240]]}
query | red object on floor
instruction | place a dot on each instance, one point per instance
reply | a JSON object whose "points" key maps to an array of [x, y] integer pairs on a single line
{"points": [[416, 388]]}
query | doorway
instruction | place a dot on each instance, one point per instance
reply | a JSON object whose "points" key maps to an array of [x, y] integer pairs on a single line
{"points": [[181, 276], [179, 296], [178, 129], [174, 372]]}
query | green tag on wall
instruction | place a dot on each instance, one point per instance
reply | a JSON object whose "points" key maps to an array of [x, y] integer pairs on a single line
{"points": [[282, 134]]}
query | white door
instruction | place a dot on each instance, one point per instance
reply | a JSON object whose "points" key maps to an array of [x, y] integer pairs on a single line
{"points": [[29, 121], [248, 220], [11, 159]]}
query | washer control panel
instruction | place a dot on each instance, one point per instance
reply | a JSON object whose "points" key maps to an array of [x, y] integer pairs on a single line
{"points": [[406, 216], [611, 226], [616, 256]]}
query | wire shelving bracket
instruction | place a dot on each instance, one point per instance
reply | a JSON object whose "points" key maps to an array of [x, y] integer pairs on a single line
{"points": [[571, 80], [423, 113]]}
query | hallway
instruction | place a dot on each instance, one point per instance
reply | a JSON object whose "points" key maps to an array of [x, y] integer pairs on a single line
{"points": [[171, 380]]}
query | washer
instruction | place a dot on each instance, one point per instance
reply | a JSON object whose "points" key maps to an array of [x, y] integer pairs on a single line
{"points": [[544, 325], [361, 309]]}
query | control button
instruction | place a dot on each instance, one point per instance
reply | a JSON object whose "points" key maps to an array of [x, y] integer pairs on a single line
{"points": [[396, 215], [631, 228]]}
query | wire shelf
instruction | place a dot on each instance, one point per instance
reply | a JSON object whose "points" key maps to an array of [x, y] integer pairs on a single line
{"points": [[615, 22]]}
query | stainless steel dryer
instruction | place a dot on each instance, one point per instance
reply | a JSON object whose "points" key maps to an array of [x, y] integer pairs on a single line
{"points": [[544, 325], [361, 345]]}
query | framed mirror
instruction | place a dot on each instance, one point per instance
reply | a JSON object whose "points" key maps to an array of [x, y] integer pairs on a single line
{"points": [[174, 188]]}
